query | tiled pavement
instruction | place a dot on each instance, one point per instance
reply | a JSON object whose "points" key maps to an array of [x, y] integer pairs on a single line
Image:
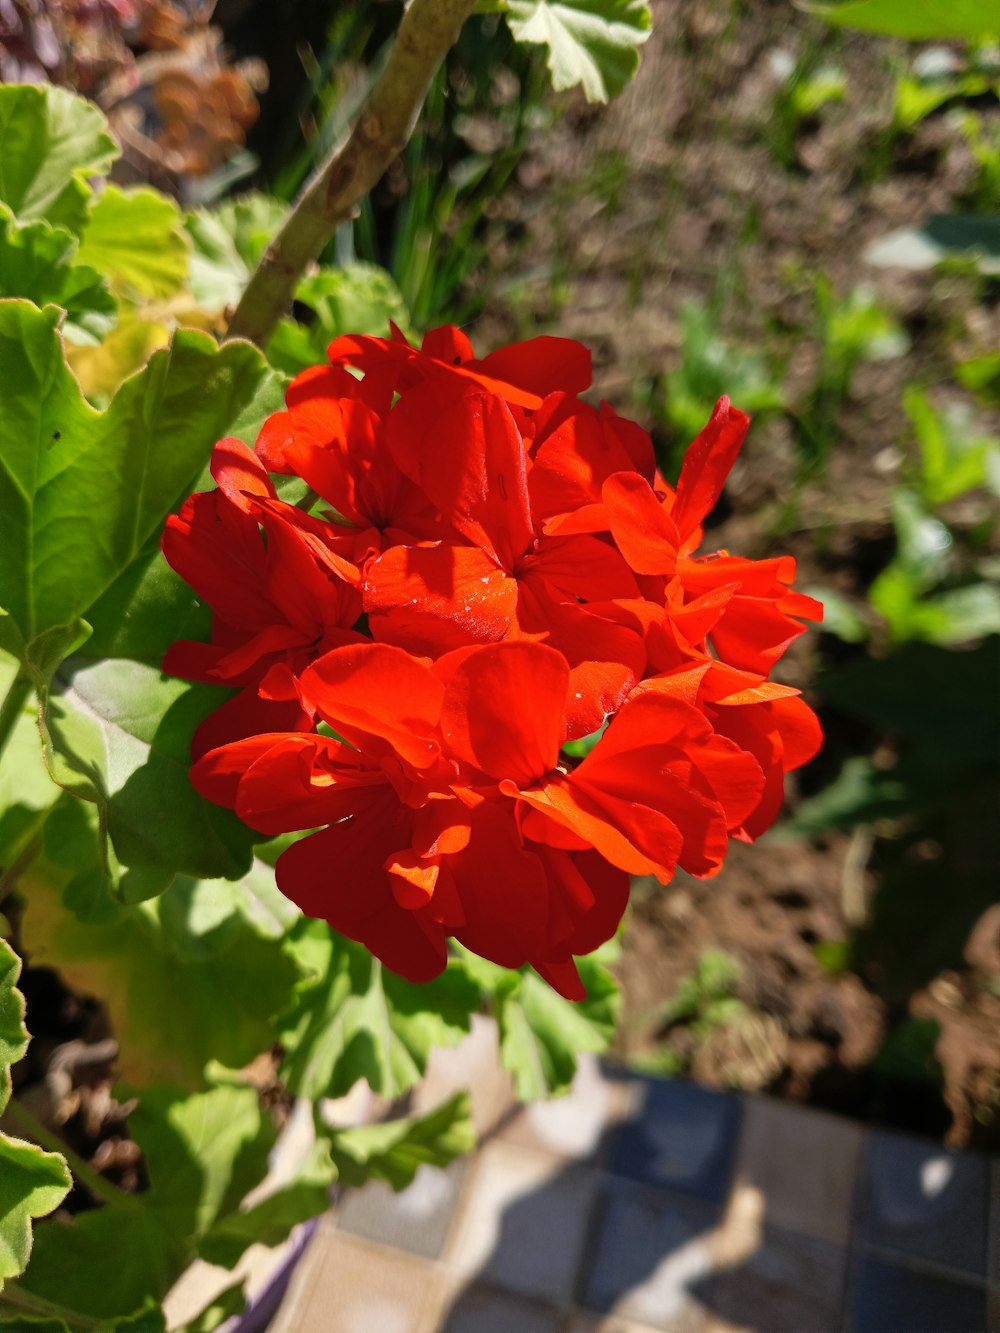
{"points": [[636, 1205]]}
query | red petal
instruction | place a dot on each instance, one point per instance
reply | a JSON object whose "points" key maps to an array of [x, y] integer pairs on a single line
{"points": [[503, 710], [467, 456], [434, 598], [605, 659], [544, 365], [239, 472], [645, 533], [248, 714], [636, 839], [372, 690], [338, 875], [707, 464], [503, 890]]}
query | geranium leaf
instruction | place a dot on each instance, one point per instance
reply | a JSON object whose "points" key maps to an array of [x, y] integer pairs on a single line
{"points": [[593, 43], [917, 20], [118, 733], [52, 142], [393, 1150], [137, 240], [32, 1182], [37, 262], [269, 1221], [353, 1019], [230, 967], [226, 245], [357, 298], [26, 790], [82, 491], [203, 1153], [541, 1034]]}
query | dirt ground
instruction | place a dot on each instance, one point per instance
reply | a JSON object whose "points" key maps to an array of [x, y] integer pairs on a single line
{"points": [[674, 192]]}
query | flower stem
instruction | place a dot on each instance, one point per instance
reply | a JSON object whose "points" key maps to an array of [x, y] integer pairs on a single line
{"points": [[21, 1119], [387, 119]]}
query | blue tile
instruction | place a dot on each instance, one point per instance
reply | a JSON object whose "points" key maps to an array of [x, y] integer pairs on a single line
{"points": [[647, 1249], [482, 1309], [683, 1138], [902, 1300], [922, 1201]]}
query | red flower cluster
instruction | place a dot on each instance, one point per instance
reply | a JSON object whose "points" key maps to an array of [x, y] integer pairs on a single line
{"points": [[498, 570]]}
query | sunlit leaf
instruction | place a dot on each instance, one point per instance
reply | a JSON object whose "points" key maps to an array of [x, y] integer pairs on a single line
{"points": [[194, 976], [26, 790], [590, 43], [918, 20], [37, 262], [118, 733], [541, 1034], [393, 1150], [83, 491], [271, 1219], [32, 1182], [354, 1019], [52, 142], [359, 298], [137, 240], [226, 245]]}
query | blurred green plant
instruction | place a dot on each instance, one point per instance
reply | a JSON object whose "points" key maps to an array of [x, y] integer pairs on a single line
{"points": [[703, 1002], [849, 330], [810, 85], [710, 366]]}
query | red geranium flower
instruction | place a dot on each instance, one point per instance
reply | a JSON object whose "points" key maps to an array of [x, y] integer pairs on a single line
{"points": [[528, 578]]}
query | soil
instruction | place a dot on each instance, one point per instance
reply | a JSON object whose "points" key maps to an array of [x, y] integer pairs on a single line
{"points": [[684, 189]]}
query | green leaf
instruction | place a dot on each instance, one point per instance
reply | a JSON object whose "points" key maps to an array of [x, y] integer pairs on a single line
{"points": [[917, 20], [393, 1150], [194, 976], [953, 461], [83, 491], [37, 263], [541, 1034], [593, 43], [270, 1220], [52, 142], [973, 240], [32, 1182], [840, 615], [147, 608], [203, 1154], [26, 790], [358, 298], [859, 794], [353, 1019], [226, 245], [118, 733], [137, 240]]}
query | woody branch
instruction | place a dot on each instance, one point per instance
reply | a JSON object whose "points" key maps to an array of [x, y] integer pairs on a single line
{"points": [[386, 121]]}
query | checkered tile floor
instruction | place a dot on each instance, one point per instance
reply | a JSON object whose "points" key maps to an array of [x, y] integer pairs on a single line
{"points": [[640, 1204]]}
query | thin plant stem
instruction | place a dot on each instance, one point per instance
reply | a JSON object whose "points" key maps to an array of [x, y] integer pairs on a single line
{"points": [[427, 30], [11, 708], [20, 1118]]}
